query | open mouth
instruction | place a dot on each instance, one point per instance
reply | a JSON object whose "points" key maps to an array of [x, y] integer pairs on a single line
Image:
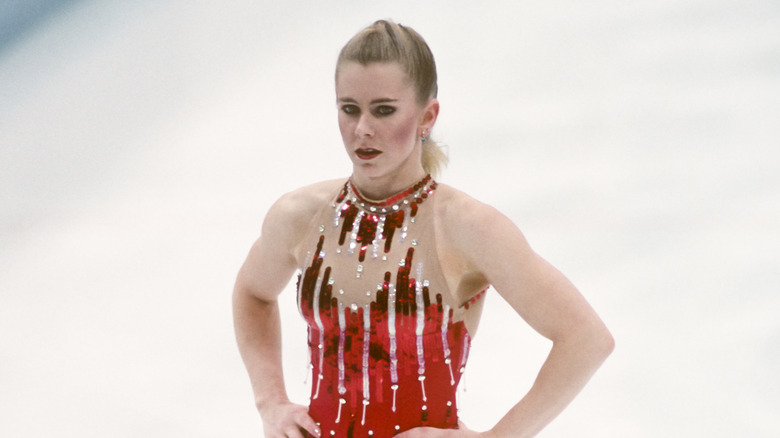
{"points": [[367, 153]]}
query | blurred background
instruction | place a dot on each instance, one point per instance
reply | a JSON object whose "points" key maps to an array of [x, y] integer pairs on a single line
{"points": [[141, 143]]}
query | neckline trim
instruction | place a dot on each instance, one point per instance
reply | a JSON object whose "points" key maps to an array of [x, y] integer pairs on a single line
{"points": [[413, 195]]}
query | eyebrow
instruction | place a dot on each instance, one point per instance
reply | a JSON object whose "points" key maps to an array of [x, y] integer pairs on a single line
{"points": [[373, 102]]}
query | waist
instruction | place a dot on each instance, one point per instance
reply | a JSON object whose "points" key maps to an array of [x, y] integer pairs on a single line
{"points": [[347, 402], [369, 382]]}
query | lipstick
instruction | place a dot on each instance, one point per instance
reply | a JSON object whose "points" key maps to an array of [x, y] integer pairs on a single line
{"points": [[367, 153]]}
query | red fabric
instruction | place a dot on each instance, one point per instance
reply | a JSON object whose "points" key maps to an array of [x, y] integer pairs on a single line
{"points": [[438, 408]]}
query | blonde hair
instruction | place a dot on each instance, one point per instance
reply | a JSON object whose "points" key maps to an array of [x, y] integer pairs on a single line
{"points": [[386, 41]]}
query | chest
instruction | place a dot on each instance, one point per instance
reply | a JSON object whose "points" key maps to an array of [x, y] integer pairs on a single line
{"points": [[357, 252]]}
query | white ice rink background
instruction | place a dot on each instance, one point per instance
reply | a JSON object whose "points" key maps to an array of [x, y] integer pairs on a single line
{"points": [[635, 143]]}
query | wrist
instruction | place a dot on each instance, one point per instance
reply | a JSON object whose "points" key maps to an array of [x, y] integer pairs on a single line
{"points": [[491, 433], [266, 402]]}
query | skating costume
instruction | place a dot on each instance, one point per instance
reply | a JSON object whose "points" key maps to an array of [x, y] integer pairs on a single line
{"points": [[387, 340]]}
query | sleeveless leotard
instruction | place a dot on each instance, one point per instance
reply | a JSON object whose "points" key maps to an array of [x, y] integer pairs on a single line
{"points": [[387, 340]]}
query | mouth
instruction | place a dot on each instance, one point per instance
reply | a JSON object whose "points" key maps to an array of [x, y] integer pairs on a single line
{"points": [[367, 153]]}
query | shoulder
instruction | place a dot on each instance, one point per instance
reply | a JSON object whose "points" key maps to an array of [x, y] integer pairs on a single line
{"points": [[272, 258], [289, 217], [300, 205], [458, 212], [474, 231]]}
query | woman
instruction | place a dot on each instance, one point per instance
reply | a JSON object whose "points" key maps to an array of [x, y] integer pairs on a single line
{"points": [[391, 268]]}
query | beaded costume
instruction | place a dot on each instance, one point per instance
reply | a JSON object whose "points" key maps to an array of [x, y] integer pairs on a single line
{"points": [[387, 340]]}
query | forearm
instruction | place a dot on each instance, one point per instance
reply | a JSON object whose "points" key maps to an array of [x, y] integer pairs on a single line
{"points": [[568, 367], [258, 334]]}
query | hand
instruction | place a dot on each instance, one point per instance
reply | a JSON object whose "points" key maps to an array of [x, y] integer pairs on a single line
{"points": [[431, 432], [288, 420]]}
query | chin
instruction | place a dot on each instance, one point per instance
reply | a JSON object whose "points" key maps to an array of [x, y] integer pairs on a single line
{"points": [[368, 170]]}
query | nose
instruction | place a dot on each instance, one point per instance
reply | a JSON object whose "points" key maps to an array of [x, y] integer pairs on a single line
{"points": [[363, 128]]}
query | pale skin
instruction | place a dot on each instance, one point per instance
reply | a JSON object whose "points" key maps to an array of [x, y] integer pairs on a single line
{"points": [[379, 112]]}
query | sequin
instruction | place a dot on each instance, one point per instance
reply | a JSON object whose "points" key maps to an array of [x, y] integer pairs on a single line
{"points": [[422, 385], [354, 236], [366, 348], [321, 346], [393, 346], [370, 338], [420, 325], [404, 230], [380, 227], [342, 402], [365, 406], [300, 285], [445, 343], [342, 339], [465, 355]]}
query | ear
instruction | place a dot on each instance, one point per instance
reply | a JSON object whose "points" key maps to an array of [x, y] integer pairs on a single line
{"points": [[429, 115]]}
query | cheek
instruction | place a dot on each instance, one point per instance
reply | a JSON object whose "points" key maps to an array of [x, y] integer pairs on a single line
{"points": [[405, 131], [344, 126]]}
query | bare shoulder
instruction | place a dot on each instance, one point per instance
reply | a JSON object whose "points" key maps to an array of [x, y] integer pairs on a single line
{"points": [[295, 209], [289, 218], [460, 213], [272, 258], [475, 232]]}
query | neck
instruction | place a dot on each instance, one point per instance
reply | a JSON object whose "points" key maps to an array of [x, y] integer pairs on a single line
{"points": [[385, 186]]}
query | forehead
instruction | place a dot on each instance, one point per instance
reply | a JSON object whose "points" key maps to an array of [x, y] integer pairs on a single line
{"points": [[388, 79]]}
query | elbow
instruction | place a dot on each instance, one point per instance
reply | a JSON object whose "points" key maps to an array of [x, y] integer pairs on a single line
{"points": [[595, 340], [609, 344], [603, 342]]}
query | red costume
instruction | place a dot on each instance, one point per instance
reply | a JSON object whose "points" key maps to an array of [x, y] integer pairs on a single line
{"points": [[386, 335]]}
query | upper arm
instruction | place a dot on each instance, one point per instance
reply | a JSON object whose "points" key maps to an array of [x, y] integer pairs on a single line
{"points": [[497, 250], [271, 261]]}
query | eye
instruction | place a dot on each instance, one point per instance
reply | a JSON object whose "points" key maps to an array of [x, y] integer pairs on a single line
{"points": [[350, 109], [384, 110]]}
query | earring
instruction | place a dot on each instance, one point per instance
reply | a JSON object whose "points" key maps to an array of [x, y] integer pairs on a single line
{"points": [[424, 136]]}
